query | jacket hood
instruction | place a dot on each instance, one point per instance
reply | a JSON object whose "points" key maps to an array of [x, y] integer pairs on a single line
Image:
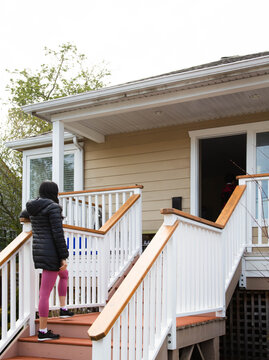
{"points": [[36, 206]]}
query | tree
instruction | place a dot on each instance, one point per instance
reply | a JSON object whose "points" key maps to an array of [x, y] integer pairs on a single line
{"points": [[65, 74]]}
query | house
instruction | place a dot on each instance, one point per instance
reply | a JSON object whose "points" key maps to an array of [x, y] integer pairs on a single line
{"points": [[178, 135]]}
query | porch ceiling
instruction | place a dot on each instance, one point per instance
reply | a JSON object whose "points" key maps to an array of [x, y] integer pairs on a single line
{"points": [[213, 91], [218, 107]]}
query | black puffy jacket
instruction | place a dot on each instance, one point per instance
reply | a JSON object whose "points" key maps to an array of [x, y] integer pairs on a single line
{"points": [[49, 246]]}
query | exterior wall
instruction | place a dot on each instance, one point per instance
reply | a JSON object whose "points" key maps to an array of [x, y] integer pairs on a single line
{"points": [[159, 159]]}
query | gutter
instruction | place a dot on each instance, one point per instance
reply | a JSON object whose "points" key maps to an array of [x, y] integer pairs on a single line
{"points": [[31, 142], [46, 109]]}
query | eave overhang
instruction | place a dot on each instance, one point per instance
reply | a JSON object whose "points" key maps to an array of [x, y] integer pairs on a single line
{"points": [[35, 141], [148, 88]]}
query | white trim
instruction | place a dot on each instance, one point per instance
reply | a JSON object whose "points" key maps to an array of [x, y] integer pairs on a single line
{"points": [[162, 97], [58, 154], [85, 131], [40, 140], [116, 92], [250, 129], [194, 175], [47, 151]]}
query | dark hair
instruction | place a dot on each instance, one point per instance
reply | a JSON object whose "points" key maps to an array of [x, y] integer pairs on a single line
{"points": [[49, 190]]}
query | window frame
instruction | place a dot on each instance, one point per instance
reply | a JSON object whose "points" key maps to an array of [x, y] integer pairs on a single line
{"points": [[250, 129], [47, 152]]}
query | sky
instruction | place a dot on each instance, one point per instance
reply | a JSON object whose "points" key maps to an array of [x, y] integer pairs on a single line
{"points": [[136, 39]]}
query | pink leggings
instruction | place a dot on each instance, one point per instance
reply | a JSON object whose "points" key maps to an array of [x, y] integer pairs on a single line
{"points": [[47, 282]]}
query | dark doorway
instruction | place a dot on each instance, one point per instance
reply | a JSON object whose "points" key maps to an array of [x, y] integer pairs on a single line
{"points": [[218, 157]]}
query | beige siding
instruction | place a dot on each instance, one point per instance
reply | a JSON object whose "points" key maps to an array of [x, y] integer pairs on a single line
{"points": [[159, 159]]}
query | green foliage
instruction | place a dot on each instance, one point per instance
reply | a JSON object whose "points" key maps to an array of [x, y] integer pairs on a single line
{"points": [[66, 73]]}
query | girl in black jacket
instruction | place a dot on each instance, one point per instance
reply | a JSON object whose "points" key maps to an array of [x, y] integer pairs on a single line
{"points": [[49, 252]]}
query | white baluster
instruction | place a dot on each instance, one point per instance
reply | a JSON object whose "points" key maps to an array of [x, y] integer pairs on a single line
{"points": [[96, 213], [12, 292], [139, 323], [83, 212], [4, 301], [116, 340], [124, 332]]}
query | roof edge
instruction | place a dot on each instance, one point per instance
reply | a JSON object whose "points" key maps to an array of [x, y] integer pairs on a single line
{"points": [[69, 102], [39, 140]]}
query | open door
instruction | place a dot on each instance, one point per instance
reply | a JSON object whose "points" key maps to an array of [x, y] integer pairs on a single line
{"points": [[218, 157]]}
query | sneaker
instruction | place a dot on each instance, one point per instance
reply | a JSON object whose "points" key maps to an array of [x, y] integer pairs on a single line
{"points": [[65, 313], [47, 336]]}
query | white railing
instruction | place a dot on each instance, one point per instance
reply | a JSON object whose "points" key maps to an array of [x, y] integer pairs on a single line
{"points": [[144, 305], [200, 287], [257, 208], [16, 278], [92, 208], [87, 284], [234, 240], [208, 255], [97, 258]]}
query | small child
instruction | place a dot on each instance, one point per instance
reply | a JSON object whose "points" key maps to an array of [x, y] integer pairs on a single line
{"points": [[228, 189]]}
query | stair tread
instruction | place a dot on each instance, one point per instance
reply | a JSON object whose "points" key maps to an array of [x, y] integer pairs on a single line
{"points": [[62, 341], [81, 319], [30, 358], [193, 320]]}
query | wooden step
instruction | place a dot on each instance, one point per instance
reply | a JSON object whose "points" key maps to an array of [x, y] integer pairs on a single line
{"points": [[194, 320], [30, 358], [68, 348], [75, 326]]}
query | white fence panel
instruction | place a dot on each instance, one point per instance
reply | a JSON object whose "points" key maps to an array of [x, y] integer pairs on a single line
{"points": [[17, 287], [199, 268], [257, 208], [92, 209]]}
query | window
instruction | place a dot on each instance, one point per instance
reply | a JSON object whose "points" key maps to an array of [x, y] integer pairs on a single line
{"points": [[262, 153], [41, 170], [37, 167]]}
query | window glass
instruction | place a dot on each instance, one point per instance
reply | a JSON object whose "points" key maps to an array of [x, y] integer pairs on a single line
{"points": [[41, 170], [262, 153], [69, 172], [262, 167]]}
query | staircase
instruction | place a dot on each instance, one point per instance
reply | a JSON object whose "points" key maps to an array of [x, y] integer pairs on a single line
{"points": [[168, 304], [74, 342]]}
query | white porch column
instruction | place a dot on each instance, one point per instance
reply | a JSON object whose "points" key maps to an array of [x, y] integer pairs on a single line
{"points": [[58, 154]]}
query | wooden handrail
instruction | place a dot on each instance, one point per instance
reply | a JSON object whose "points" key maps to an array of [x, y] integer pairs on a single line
{"points": [[110, 222], [78, 228], [120, 299], [118, 214], [252, 176], [231, 205], [190, 217], [224, 215], [9, 250], [101, 190]]}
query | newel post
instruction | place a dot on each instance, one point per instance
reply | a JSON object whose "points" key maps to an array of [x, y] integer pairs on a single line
{"points": [[28, 278], [101, 349], [170, 220], [138, 218]]}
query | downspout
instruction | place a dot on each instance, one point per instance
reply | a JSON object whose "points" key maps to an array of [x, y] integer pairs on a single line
{"points": [[75, 142]]}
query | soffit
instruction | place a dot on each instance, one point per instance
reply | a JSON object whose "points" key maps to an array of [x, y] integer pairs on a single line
{"points": [[218, 107]]}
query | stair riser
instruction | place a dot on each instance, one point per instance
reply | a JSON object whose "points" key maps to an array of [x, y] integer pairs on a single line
{"points": [[66, 330], [56, 351]]}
